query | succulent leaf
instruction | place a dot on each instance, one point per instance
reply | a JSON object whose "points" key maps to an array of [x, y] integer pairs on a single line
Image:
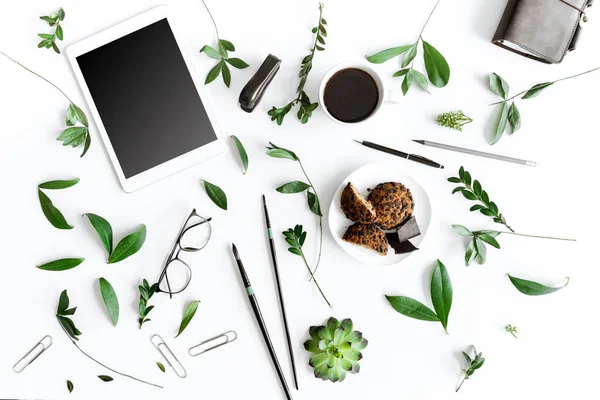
{"points": [[336, 349]]}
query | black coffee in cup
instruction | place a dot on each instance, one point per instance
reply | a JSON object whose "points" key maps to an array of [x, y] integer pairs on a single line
{"points": [[351, 95]]}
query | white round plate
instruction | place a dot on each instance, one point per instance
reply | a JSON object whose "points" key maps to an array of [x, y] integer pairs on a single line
{"points": [[367, 177]]}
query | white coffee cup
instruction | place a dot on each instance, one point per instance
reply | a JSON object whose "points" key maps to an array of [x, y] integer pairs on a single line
{"points": [[385, 96]]}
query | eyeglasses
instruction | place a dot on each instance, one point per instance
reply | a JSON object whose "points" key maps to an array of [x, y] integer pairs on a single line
{"points": [[193, 236]]}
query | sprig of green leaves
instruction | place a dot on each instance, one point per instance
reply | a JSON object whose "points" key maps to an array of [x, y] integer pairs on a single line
{"points": [[512, 330], [510, 115], [441, 297], [127, 247], [474, 365], [222, 55], [63, 314], [438, 70], [306, 107], [74, 135], [295, 238], [49, 40], [298, 187], [472, 190], [53, 214], [146, 292], [476, 249]]}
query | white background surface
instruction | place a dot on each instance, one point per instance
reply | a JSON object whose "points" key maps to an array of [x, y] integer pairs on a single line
{"points": [[555, 355]]}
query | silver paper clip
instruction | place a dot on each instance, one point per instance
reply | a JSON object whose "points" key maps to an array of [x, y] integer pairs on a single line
{"points": [[212, 343], [168, 355], [32, 354]]}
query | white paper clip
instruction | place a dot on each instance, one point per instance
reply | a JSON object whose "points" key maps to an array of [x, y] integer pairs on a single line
{"points": [[168, 355], [212, 343], [32, 354]]}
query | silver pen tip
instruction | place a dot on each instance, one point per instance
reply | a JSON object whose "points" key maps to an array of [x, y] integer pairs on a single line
{"points": [[358, 141]]}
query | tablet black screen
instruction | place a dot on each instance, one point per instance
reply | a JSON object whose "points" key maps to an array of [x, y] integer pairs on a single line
{"points": [[146, 99]]}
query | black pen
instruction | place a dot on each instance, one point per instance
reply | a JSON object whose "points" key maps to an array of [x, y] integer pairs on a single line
{"points": [[260, 320], [411, 157], [279, 291]]}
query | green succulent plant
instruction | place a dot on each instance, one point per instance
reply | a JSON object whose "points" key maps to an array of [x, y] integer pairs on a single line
{"points": [[337, 349]]}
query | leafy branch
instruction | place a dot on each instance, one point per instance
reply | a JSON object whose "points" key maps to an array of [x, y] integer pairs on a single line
{"points": [[299, 187], [512, 330], [63, 313], [474, 364], [224, 46], [74, 135], [510, 114], [438, 70], [476, 250], [306, 107], [146, 292], [49, 40], [295, 238], [472, 190], [453, 120]]}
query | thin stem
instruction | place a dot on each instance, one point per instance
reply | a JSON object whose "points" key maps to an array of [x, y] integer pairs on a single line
{"points": [[312, 276], [427, 21], [108, 368], [320, 217], [212, 19], [312, 52], [556, 81], [461, 383], [36, 74], [539, 237]]}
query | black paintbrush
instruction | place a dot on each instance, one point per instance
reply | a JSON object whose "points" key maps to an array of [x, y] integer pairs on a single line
{"points": [[279, 291], [261, 322]]}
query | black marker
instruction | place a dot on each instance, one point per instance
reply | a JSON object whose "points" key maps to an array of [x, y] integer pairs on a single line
{"points": [[411, 157]]}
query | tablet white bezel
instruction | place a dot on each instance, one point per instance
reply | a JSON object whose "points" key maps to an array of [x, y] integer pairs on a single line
{"points": [[172, 166]]}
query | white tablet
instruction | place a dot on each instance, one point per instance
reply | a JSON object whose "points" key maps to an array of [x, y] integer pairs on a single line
{"points": [[146, 101]]}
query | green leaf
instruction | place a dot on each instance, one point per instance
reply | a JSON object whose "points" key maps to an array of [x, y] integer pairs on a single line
{"points": [[61, 265], [469, 195], [535, 90], [73, 136], [282, 153], [128, 246], [103, 229], [461, 230], [209, 51], [227, 44], [407, 82], [401, 72], [313, 203], [61, 14], [293, 187], [61, 184], [44, 36], [531, 288], [514, 117], [55, 48], [216, 194], [110, 300], [501, 125], [237, 63], [410, 55], [69, 327], [471, 252], [105, 378], [75, 114], [388, 54], [86, 146], [187, 316], [226, 73], [59, 32], [421, 80], [70, 386], [295, 251], [489, 240], [242, 152], [49, 20], [161, 366], [53, 214], [499, 85], [441, 293], [320, 48], [213, 73], [320, 39], [222, 49], [412, 308], [437, 68], [454, 180], [63, 302]]}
